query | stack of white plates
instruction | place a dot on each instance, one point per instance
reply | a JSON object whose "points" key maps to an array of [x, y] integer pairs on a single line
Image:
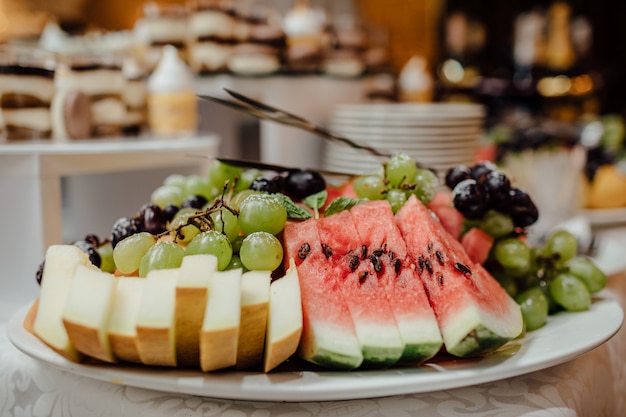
{"points": [[437, 135]]}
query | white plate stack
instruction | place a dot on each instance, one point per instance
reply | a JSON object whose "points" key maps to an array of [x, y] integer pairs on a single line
{"points": [[437, 135]]}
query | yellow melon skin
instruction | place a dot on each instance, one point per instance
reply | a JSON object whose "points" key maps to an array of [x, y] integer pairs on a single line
{"points": [[608, 188]]}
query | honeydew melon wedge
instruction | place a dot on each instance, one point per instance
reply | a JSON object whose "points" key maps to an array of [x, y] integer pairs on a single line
{"points": [[61, 262], [255, 295], [219, 335], [87, 311], [156, 332], [284, 326], [192, 291], [123, 319]]}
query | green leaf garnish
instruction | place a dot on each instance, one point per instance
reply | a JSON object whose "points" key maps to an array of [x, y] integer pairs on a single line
{"points": [[342, 203], [293, 211], [316, 201]]}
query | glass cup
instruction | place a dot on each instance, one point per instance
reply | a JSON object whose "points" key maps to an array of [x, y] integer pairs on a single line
{"points": [[26, 92]]}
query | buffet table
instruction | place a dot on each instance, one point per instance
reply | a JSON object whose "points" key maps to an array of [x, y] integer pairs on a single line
{"points": [[592, 384]]}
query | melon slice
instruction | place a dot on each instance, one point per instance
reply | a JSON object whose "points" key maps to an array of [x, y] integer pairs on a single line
{"points": [[475, 314], [156, 341], [415, 317], [87, 310], [255, 297], [123, 318], [219, 334], [374, 322], [284, 325], [328, 336], [191, 298], [61, 262]]}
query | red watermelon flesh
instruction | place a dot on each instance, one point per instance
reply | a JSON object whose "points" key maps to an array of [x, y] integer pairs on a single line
{"points": [[416, 320], [475, 314], [477, 244], [328, 335], [374, 321], [450, 218]]}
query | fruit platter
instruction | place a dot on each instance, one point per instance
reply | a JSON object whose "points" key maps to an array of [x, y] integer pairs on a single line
{"points": [[286, 284]]}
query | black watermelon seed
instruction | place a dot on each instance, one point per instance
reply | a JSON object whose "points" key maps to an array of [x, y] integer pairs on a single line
{"points": [[378, 266], [439, 257], [430, 246], [354, 263], [378, 252], [397, 266], [327, 250], [363, 252], [463, 268], [304, 251], [362, 277], [421, 262], [440, 279], [429, 266]]}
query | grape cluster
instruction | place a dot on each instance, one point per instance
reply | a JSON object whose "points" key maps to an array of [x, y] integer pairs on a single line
{"points": [[297, 184], [399, 178], [547, 278], [478, 189]]}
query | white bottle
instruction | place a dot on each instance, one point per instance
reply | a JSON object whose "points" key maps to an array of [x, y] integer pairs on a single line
{"points": [[172, 102]]}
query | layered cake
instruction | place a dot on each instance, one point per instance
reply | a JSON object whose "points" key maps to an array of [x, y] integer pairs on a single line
{"points": [[261, 52], [26, 89], [306, 36], [135, 97], [103, 81], [211, 35], [162, 25]]}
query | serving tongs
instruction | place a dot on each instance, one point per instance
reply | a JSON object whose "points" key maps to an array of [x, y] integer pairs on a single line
{"points": [[266, 112]]}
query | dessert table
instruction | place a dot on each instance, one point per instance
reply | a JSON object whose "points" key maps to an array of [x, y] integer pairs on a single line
{"points": [[591, 384]]}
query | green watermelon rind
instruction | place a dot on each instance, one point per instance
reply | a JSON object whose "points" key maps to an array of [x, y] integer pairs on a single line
{"points": [[471, 332], [422, 340], [326, 347]]}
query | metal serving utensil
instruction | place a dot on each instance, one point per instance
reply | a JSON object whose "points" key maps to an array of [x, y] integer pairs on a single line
{"points": [[266, 112]]}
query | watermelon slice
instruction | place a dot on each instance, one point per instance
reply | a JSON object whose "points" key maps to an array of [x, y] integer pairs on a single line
{"points": [[475, 314], [405, 292], [328, 335], [477, 244], [374, 322]]}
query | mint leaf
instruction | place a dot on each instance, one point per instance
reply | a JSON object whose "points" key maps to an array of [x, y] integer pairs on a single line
{"points": [[293, 210], [340, 204], [316, 201]]}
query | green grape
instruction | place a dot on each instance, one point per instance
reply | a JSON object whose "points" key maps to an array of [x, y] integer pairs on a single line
{"points": [[496, 224], [513, 254], [561, 246], [261, 251], [129, 251], [262, 212], [400, 168], [584, 269], [162, 255], [246, 178], [570, 292], [226, 222], [396, 198], [186, 233], [544, 286], [534, 306], [371, 187], [106, 257], [235, 262], [426, 185], [177, 180], [236, 244], [199, 185], [167, 194], [507, 282], [237, 199], [220, 172], [212, 242]]}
